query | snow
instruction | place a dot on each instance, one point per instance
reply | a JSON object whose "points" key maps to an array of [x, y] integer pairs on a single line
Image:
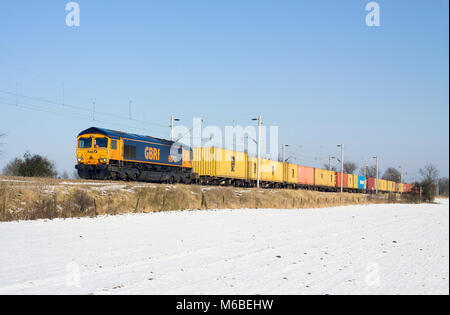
{"points": [[371, 249]]}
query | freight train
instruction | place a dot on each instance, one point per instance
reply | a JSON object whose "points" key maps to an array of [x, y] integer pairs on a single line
{"points": [[106, 154]]}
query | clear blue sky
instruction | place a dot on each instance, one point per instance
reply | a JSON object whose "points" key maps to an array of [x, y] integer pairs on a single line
{"points": [[311, 67]]}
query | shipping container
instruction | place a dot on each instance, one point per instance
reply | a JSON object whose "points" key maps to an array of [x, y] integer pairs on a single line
{"points": [[352, 181], [271, 171], [408, 188], [391, 186], [405, 187], [324, 178], [252, 168], [290, 173], [305, 175], [382, 185], [338, 180], [220, 163], [361, 183], [371, 184]]}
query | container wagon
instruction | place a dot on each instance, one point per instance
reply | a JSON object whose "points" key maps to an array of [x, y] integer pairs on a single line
{"points": [[324, 180], [290, 175], [305, 177], [220, 166]]}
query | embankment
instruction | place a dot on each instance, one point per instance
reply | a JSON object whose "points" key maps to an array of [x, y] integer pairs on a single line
{"points": [[31, 199]]}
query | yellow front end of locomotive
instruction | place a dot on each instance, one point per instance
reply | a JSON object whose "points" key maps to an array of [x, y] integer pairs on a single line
{"points": [[93, 149]]}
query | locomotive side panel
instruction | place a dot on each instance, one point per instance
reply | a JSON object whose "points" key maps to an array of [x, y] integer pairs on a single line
{"points": [[152, 153]]}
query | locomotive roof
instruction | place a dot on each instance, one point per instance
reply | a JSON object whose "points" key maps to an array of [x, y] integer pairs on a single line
{"points": [[118, 134]]}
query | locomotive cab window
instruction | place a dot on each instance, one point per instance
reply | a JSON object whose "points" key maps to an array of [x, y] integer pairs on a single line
{"points": [[85, 143], [101, 143], [113, 144]]}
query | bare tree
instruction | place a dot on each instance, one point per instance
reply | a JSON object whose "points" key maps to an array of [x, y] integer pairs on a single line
{"points": [[327, 167], [392, 174], [350, 167], [429, 172], [430, 175], [370, 172]]}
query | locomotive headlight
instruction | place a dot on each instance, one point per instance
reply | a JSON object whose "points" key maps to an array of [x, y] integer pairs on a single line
{"points": [[103, 160], [80, 159]]}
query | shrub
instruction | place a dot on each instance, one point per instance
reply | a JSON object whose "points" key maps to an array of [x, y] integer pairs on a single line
{"points": [[30, 166]]}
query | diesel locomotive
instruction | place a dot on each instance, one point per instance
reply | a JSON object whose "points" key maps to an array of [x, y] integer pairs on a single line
{"points": [[108, 154]]}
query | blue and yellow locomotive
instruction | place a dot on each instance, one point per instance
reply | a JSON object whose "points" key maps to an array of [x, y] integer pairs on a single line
{"points": [[107, 154]]}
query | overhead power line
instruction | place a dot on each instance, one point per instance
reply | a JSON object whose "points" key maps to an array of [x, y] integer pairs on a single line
{"points": [[86, 109], [70, 115]]}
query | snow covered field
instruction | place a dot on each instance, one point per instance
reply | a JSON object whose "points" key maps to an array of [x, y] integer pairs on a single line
{"points": [[373, 249]]}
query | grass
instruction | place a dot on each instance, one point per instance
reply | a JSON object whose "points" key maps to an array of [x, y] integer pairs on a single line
{"points": [[32, 199]]}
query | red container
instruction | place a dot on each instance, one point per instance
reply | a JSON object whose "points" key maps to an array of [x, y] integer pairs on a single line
{"points": [[397, 187], [305, 175], [371, 186], [338, 180], [408, 188]]}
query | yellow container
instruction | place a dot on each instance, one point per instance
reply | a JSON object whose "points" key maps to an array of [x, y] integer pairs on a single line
{"points": [[252, 168], [391, 186], [271, 171], [386, 187], [290, 173], [355, 181], [352, 181], [324, 178], [382, 185], [217, 162]]}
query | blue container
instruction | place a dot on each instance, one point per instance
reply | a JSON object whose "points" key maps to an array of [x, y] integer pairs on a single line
{"points": [[362, 182]]}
